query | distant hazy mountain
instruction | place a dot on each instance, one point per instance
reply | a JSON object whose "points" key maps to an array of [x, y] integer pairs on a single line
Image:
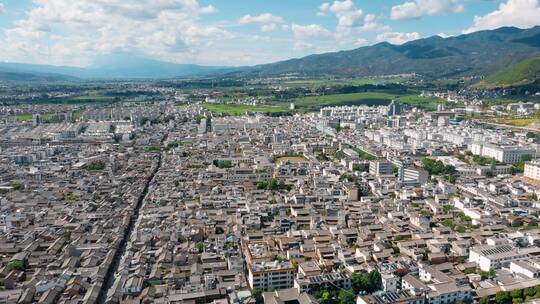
{"points": [[472, 54], [480, 53], [108, 67], [126, 66], [36, 72]]}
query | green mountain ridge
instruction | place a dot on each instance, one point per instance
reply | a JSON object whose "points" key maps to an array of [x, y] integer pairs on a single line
{"points": [[478, 53], [526, 72]]}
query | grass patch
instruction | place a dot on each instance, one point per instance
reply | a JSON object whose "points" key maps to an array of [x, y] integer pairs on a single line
{"points": [[364, 155], [78, 115], [22, 117], [89, 98], [515, 121], [341, 82]]}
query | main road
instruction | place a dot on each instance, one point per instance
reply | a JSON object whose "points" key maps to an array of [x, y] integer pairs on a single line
{"points": [[113, 268]]}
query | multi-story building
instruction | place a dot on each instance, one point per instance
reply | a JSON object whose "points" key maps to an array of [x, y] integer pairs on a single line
{"points": [[414, 176], [502, 153], [380, 168], [267, 275], [532, 170], [495, 257], [323, 281]]}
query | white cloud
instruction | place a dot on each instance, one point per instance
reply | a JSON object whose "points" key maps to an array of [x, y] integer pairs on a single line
{"points": [[352, 22], [346, 11], [323, 9], [397, 37], [311, 31], [301, 46], [267, 28], [519, 13], [210, 9], [266, 18], [74, 32], [371, 24], [267, 21], [418, 8], [2, 9]]}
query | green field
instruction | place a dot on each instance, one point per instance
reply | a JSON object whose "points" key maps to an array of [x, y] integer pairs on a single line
{"points": [[90, 98], [341, 82], [22, 117], [78, 115], [240, 109], [515, 121], [368, 98], [311, 103]]}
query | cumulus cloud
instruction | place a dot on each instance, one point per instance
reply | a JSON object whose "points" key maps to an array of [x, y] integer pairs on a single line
{"points": [[267, 21], [74, 32], [267, 28], [311, 31], [371, 24], [346, 11], [418, 8], [352, 22], [397, 37], [266, 18], [518, 13]]}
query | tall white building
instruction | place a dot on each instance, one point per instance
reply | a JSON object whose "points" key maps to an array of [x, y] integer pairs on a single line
{"points": [[267, 275], [532, 170], [380, 168], [505, 154]]}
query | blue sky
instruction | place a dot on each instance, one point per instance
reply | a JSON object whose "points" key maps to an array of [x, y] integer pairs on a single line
{"points": [[235, 32]]}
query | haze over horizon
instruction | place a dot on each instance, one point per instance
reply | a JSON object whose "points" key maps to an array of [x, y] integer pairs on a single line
{"points": [[232, 32]]}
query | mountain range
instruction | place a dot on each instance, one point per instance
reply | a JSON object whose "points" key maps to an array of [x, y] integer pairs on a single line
{"points": [[107, 67], [479, 53]]}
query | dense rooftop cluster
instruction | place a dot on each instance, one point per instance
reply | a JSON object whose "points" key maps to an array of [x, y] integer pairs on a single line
{"points": [[348, 205]]}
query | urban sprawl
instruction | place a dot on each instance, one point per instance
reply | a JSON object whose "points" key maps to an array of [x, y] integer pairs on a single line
{"points": [[155, 202]]}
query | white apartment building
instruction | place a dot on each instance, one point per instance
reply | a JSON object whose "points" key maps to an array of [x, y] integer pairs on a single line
{"points": [[532, 170], [266, 275], [505, 154], [496, 257], [529, 269], [415, 176], [380, 168]]}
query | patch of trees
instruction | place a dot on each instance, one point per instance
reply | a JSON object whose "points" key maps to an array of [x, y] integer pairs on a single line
{"points": [[224, 164], [97, 165], [273, 184], [436, 167]]}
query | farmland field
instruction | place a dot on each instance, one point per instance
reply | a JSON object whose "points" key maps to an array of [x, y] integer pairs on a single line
{"points": [[345, 81], [516, 121]]}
